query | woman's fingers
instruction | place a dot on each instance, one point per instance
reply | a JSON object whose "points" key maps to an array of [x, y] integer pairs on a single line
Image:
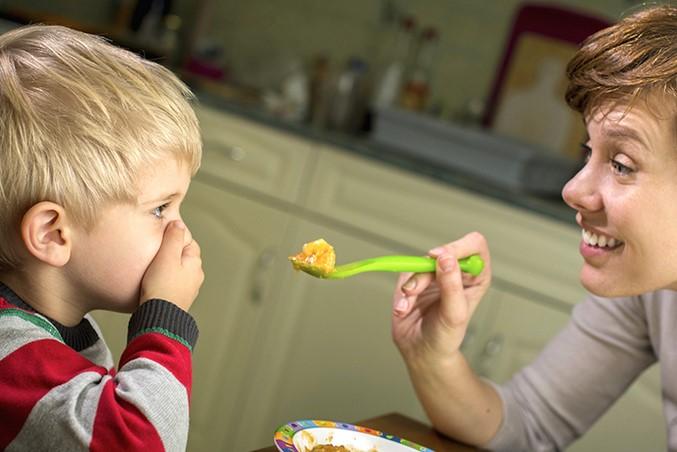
{"points": [[472, 243], [409, 287], [453, 304]]}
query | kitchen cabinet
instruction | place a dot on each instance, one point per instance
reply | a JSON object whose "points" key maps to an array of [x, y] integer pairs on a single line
{"points": [[329, 353], [240, 242], [277, 345], [515, 333]]}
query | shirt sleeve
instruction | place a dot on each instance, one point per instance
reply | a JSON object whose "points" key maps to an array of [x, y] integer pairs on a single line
{"points": [[576, 378], [57, 399]]}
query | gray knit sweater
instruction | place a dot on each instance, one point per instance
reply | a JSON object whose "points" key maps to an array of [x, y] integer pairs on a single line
{"points": [[583, 370]]}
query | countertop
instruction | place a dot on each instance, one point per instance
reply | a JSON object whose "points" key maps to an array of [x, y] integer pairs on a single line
{"points": [[246, 107]]}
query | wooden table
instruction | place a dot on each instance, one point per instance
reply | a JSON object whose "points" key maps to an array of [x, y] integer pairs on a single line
{"points": [[410, 429]]}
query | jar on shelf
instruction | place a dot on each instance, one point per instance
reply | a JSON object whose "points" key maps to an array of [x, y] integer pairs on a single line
{"points": [[416, 89]]}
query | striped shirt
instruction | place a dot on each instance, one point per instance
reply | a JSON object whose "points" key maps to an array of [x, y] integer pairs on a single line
{"points": [[59, 390]]}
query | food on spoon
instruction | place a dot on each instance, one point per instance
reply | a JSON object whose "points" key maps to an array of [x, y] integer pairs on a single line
{"points": [[317, 258]]}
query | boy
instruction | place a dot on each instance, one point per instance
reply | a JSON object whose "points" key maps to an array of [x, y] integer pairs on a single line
{"points": [[97, 149]]}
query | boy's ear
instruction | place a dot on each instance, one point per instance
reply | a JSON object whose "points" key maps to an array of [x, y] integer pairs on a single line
{"points": [[46, 233]]}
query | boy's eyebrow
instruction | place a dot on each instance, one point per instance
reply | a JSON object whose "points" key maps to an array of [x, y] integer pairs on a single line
{"points": [[166, 197]]}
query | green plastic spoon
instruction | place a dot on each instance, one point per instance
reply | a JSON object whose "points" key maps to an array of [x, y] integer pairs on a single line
{"points": [[417, 264]]}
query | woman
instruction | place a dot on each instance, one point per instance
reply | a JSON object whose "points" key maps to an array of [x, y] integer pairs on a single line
{"points": [[624, 83]]}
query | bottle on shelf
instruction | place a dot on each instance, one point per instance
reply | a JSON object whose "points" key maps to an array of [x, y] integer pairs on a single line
{"points": [[416, 89], [390, 83], [348, 107], [320, 91]]}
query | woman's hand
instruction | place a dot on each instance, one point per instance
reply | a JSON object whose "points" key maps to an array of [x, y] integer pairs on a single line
{"points": [[431, 311]]}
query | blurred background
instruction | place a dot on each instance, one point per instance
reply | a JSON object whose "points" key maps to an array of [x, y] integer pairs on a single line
{"points": [[334, 63]]}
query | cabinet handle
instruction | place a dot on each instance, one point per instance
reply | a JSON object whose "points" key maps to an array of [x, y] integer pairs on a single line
{"points": [[260, 274], [236, 153], [493, 346], [469, 338], [231, 151]]}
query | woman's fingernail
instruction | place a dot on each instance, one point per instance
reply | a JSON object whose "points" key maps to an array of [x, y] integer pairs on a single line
{"points": [[436, 251], [179, 224], [402, 305], [409, 285], [447, 263]]}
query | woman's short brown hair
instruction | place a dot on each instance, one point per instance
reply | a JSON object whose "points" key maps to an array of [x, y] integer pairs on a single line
{"points": [[633, 59]]}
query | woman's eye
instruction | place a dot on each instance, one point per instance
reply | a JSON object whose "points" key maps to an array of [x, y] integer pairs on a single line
{"points": [[159, 210], [620, 169], [586, 152]]}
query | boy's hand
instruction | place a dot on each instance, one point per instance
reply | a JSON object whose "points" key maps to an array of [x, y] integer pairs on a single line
{"points": [[175, 274]]}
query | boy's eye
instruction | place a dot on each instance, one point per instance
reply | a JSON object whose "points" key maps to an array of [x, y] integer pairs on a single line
{"points": [[586, 152], [159, 210]]}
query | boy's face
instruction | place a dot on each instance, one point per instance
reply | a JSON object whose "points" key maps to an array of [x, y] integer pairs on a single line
{"points": [[627, 194], [107, 264]]}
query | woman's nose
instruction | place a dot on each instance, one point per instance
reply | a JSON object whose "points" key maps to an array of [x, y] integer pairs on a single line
{"points": [[582, 191]]}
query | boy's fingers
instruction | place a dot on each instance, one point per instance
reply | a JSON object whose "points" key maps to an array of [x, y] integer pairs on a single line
{"points": [[187, 237], [173, 239], [191, 250]]}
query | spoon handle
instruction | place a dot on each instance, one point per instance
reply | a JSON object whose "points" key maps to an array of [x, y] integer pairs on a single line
{"points": [[417, 264]]}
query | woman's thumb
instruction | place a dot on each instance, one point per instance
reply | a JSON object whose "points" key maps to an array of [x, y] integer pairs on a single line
{"points": [[452, 297]]}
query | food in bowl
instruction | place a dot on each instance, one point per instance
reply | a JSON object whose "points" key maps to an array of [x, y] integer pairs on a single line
{"points": [[329, 448]]}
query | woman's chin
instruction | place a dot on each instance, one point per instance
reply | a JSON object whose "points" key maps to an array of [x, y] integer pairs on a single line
{"points": [[598, 284], [610, 287]]}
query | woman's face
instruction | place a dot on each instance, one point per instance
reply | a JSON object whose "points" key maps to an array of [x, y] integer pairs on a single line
{"points": [[626, 202]]}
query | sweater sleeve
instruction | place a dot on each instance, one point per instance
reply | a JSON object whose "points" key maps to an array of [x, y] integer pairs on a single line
{"points": [[53, 398], [576, 378]]}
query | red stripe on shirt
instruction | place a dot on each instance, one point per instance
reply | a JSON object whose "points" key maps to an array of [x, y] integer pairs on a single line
{"points": [[119, 425], [169, 353], [30, 372], [4, 304]]}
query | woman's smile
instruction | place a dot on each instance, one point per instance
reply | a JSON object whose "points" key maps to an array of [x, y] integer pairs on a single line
{"points": [[596, 244]]}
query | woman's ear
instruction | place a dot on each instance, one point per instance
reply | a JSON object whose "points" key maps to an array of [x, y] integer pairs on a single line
{"points": [[46, 233]]}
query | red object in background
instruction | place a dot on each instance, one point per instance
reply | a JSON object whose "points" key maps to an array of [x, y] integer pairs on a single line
{"points": [[551, 21], [205, 69]]}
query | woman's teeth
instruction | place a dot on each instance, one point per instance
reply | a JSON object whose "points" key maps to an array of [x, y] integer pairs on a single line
{"points": [[599, 240]]}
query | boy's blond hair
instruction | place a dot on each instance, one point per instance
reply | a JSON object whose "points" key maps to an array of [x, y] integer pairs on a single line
{"points": [[80, 119]]}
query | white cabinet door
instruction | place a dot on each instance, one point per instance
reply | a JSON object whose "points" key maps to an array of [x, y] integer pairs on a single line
{"points": [[240, 241], [515, 334], [527, 249], [259, 158], [327, 351]]}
